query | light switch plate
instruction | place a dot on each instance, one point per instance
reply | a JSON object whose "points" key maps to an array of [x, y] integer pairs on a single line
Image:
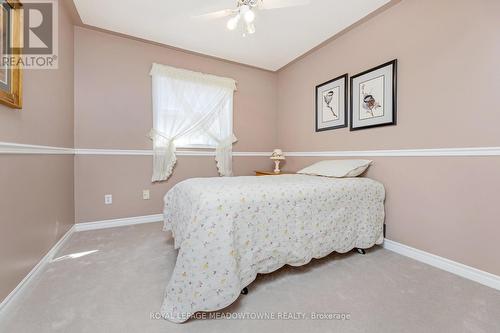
{"points": [[108, 199], [145, 194]]}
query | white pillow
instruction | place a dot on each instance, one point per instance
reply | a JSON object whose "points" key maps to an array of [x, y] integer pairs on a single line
{"points": [[337, 168]]}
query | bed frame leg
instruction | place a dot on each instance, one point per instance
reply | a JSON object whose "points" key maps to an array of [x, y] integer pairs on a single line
{"points": [[360, 251], [244, 291]]}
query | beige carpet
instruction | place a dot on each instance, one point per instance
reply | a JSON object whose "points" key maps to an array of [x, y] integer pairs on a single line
{"points": [[119, 287]]}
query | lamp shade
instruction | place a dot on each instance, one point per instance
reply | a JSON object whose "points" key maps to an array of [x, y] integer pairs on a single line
{"points": [[277, 155]]}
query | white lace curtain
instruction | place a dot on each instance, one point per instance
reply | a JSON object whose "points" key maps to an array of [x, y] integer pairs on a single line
{"points": [[185, 104]]}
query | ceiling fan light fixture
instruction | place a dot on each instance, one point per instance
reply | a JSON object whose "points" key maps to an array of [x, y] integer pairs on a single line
{"points": [[246, 11], [232, 23], [249, 16], [250, 28]]}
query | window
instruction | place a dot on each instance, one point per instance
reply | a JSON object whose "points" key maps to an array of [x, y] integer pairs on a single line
{"points": [[201, 139], [191, 109]]}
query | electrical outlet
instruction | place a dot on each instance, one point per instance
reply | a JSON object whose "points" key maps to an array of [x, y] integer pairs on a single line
{"points": [[145, 194], [108, 199]]}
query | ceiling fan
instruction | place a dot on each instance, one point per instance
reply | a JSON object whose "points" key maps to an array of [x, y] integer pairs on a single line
{"points": [[246, 9]]}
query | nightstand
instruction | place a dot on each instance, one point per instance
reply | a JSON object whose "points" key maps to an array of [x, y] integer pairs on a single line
{"points": [[271, 173]]}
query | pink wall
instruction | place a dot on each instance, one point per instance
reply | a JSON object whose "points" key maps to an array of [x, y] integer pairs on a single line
{"points": [[126, 176], [441, 205], [36, 191], [47, 114], [113, 92], [448, 76], [36, 210], [113, 110], [448, 72]]}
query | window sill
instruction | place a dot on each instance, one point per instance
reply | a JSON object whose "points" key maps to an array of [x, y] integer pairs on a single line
{"points": [[196, 147]]}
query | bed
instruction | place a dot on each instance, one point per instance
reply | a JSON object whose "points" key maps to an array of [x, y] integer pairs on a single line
{"points": [[228, 230]]}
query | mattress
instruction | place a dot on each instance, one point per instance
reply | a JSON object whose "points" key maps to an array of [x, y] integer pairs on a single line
{"points": [[230, 229]]}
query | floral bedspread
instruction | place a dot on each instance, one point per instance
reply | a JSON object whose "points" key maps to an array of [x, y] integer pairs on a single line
{"points": [[230, 229]]}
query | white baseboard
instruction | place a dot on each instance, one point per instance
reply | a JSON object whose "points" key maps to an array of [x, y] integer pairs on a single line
{"points": [[471, 273], [118, 222], [38, 267]]}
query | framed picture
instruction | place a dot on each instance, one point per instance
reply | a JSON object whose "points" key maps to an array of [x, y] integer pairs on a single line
{"points": [[373, 97], [331, 104], [10, 34]]}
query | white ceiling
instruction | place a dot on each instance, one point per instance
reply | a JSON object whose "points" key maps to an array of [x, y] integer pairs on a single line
{"points": [[282, 34]]}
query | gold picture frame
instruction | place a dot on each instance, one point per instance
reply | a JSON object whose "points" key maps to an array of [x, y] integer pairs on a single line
{"points": [[11, 77]]}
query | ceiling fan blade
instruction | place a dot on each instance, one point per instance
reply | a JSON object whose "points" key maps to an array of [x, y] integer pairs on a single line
{"points": [[217, 14], [275, 4]]}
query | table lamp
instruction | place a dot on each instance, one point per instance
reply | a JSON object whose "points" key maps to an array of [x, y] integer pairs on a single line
{"points": [[277, 156]]}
